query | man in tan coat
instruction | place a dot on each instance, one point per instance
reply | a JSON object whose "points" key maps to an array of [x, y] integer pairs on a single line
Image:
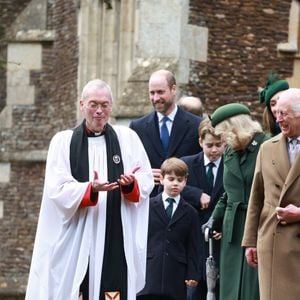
{"points": [[272, 230]]}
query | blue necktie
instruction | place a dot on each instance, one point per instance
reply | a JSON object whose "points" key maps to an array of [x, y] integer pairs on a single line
{"points": [[164, 134], [210, 177], [169, 209]]}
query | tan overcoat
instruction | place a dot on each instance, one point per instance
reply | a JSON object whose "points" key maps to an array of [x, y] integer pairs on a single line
{"points": [[275, 183]]}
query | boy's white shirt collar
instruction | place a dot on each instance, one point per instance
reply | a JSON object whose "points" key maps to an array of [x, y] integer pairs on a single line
{"points": [[207, 161], [165, 196]]}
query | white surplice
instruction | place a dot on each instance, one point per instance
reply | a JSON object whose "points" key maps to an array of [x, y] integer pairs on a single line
{"points": [[68, 236]]}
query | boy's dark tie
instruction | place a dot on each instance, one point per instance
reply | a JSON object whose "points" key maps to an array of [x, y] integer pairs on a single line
{"points": [[210, 177], [169, 208]]}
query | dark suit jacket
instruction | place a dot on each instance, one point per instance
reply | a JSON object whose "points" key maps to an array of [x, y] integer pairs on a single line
{"points": [[196, 185], [172, 250], [183, 138]]}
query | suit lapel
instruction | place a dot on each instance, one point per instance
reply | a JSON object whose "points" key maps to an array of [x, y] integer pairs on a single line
{"points": [[198, 170], [179, 128], [219, 179], [294, 172], [232, 163], [280, 157], [152, 130], [159, 209], [179, 212], [281, 160]]}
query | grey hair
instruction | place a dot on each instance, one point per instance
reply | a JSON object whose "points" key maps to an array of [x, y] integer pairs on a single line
{"points": [[294, 95], [94, 85]]}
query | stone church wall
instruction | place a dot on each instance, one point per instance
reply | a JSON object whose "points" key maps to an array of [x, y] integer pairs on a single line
{"points": [[242, 50], [40, 96], [27, 128]]}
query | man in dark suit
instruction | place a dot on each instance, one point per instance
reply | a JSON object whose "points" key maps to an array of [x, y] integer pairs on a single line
{"points": [[203, 194], [173, 238], [169, 130]]}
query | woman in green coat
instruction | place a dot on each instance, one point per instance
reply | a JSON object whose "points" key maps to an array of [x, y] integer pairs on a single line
{"points": [[243, 136]]}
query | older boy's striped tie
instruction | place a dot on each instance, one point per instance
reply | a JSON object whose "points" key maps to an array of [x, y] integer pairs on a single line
{"points": [[210, 177]]}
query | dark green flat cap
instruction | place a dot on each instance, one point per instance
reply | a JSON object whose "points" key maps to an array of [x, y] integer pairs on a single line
{"points": [[273, 86], [227, 111]]}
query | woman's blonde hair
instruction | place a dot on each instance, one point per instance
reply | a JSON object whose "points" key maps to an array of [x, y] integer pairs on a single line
{"points": [[238, 130]]}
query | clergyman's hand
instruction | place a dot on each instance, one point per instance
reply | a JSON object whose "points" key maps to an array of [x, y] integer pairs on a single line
{"points": [[127, 179], [98, 186]]}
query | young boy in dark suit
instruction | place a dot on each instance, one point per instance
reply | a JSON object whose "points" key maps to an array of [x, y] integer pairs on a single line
{"points": [[173, 238], [203, 192]]}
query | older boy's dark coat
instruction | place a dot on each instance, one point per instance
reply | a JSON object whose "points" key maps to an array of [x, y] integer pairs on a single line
{"points": [[196, 185], [172, 249]]}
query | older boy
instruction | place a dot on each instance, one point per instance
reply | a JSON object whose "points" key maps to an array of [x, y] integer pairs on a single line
{"points": [[204, 188]]}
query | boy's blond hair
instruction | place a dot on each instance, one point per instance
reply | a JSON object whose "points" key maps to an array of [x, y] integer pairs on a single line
{"points": [[205, 128], [174, 165]]}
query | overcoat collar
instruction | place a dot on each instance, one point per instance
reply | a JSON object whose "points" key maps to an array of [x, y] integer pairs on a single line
{"points": [[280, 159], [151, 129], [198, 169], [159, 209], [181, 126], [232, 157], [199, 172]]}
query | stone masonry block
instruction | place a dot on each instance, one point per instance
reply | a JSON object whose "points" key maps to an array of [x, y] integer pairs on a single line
{"points": [[195, 43], [4, 172], [6, 117], [26, 56], [21, 94]]}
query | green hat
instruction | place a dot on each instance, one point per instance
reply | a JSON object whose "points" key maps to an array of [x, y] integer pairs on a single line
{"points": [[272, 87], [227, 111]]}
